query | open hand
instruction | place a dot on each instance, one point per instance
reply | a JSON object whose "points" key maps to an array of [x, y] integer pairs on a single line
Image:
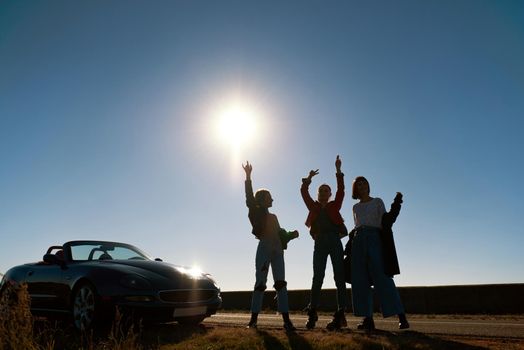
{"points": [[312, 173]]}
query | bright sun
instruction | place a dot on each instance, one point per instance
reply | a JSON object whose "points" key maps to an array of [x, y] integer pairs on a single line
{"points": [[237, 124]]}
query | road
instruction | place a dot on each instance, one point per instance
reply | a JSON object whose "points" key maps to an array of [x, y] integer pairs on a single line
{"points": [[477, 326]]}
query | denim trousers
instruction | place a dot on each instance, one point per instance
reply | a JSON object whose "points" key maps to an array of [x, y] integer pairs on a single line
{"points": [[328, 244], [367, 269], [269, 256]]}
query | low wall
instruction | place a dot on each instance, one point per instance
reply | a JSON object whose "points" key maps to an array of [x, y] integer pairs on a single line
{"points": [[467, 299]]}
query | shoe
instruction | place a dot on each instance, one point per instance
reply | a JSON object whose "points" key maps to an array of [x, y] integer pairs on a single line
{"points": [[288, 326], [403, 325], [402, 322], [313, 318], [339, 321], [253, 320], [367, 324]]}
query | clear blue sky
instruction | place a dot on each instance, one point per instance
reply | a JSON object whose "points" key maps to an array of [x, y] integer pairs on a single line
{"points": [[107, 108]]}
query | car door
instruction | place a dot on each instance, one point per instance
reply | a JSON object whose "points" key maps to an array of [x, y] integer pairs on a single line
{"points": [[45, 286]]}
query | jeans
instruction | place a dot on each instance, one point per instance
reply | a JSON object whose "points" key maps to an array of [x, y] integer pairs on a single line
{"points": [[269, 256], [367, 269], [328, 244]]}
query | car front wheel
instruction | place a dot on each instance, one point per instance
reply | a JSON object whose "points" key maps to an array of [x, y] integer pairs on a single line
{"points": [[84, 307]]}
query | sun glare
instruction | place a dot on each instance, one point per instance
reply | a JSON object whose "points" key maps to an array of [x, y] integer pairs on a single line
{"points": [[237, 125]]}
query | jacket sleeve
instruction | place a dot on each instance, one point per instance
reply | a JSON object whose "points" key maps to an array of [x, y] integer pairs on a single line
{"points": [[349, 243], [255, 214], [389, 218], [285, 237], [339, 196], [389, 252], [304, 191], [250, 199]]}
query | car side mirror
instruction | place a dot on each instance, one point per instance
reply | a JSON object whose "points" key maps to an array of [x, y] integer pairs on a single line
{"points": [[158, 259]]}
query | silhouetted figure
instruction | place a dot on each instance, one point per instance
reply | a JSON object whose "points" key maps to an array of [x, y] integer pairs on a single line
{"points": [[272, 240], [373, 256], [326, 228]]}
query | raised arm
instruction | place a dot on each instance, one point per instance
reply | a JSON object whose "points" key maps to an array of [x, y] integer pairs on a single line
{"points": [[391, 216], [339, 196], [304, 189], [248, 186]]}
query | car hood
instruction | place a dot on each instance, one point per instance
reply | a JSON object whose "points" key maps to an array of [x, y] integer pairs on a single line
{"points": [[161, 268]]}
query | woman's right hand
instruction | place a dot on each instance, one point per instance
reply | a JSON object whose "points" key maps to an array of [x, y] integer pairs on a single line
{"points": [[312, 173], [248, 168], [338, 164]]}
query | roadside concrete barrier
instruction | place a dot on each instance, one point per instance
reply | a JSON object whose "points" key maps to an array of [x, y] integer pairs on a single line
{"points": [[466, 299]]}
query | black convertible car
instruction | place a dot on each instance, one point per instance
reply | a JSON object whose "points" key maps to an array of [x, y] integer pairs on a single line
{"points": [[88, 279]]}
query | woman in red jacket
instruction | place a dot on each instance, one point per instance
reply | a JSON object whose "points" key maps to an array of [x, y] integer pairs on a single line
{"points": [[326, 227]]}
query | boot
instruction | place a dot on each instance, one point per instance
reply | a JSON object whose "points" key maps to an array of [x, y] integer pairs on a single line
{"points": [[402, 321], [253, 321], [288, 325], [367, 324], [339, 321], [313, 318]]}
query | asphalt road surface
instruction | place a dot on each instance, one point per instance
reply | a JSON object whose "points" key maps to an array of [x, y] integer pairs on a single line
{"points": [[478, 326]]}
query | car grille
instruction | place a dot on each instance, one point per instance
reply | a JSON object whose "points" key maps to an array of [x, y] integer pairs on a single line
{"points": [[187, 296]]}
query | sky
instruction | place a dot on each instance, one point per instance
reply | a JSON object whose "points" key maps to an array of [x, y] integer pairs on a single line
{"points": [[109, 114]]}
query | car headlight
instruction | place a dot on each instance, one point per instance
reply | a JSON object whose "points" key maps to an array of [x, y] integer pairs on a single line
{"points": [[135, 282]]}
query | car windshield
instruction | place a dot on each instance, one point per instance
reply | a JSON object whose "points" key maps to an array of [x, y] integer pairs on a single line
{"points": [[105, 251]]}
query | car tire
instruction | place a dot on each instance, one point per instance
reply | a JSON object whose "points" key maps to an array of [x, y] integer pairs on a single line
{"points": [[191, 321], [85, 307]]}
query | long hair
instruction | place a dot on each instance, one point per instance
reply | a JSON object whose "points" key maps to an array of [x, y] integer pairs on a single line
{"points": [[354, 194]]}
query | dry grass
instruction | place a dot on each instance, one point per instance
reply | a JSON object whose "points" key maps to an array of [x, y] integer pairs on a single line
{"points": [[220, 338], [19, 330], [16, 322]]}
